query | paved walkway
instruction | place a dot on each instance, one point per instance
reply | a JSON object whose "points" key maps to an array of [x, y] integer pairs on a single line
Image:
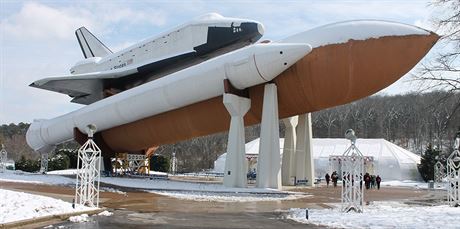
{"points": [[146, 210]]}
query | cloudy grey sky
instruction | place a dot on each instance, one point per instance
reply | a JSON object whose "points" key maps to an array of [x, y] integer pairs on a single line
{"points": [[37, 37]]}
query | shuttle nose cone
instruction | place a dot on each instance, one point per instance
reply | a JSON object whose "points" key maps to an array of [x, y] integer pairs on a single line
{"points": [[260, 29], [273, 59]]}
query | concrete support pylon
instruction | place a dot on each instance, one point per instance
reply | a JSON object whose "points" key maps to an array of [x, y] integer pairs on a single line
{"points": [[288, 166], [269, 161], [305, 169], [235, 166]]}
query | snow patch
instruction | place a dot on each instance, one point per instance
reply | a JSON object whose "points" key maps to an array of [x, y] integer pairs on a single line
{"points": [[382, 215], [105, 213], [230, 197], [79, 218], [63, 172], [34, 178], [20, 206], [342, 32]]}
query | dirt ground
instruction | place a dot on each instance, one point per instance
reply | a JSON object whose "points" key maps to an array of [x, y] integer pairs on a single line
{"points": [[140, 201]]}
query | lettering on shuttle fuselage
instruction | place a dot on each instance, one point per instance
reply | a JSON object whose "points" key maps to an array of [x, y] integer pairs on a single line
{"points": [[128, 62]]}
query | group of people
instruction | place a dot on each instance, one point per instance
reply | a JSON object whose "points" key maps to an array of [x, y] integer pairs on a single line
{"points": [[334, 177], [370, 181]]}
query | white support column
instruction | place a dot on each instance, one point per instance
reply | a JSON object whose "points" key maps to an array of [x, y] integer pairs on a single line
{"points": [[88, 175], [3, 158], [305, 169], [235, 169], [288, 166], [269, 161]]}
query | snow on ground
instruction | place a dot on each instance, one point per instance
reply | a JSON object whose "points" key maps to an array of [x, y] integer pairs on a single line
{"points": [[230, 197], [25, 177], [411, 184], [106, 189], [382, 215], [20, 206], [79, 218], [63, 172], [105, 213], [159, 184]]}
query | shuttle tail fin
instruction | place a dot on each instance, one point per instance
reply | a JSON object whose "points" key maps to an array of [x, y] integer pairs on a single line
{"points": [[90, 45]]}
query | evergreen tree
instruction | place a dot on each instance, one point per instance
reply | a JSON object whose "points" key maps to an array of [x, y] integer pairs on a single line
{"points": [[427, 162], [59, 161], [159, 163]]}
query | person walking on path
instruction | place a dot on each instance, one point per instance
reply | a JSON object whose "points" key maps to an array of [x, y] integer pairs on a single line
{"points": [[367, 180], [378, 180], [334, 177], [328, 178]]}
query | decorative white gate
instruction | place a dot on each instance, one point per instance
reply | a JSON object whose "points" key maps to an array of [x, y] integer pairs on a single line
{"points": [[44, 163], [453, 175], [439, 172], [88, 176], [352, 176], [3, 158]]}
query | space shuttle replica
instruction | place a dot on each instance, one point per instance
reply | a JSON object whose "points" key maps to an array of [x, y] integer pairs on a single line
{"points": [[212, 75]]}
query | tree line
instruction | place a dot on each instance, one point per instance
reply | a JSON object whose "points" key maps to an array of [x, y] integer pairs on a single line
{"points": [[412, 121]]}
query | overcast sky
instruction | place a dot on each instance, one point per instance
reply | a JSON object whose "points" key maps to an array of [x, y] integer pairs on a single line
{"points": [[37, 37]]}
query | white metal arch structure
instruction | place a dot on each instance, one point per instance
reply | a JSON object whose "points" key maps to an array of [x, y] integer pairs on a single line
{"points": [[352, 169], [439, 172], [453, 175], [173, 165], [3, 158], [88, 176], [44, 162]]}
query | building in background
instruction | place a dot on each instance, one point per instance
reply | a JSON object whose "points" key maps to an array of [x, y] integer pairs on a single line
{"points": [[384, 158]]}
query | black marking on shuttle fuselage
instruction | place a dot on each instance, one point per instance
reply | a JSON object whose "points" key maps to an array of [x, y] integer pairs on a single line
{"points": [[220, 40]]}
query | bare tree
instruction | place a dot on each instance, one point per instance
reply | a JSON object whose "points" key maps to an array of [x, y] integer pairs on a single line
{"points": [[442, 72]]}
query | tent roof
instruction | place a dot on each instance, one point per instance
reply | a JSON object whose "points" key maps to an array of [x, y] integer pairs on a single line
{"points": [[379, 148]]}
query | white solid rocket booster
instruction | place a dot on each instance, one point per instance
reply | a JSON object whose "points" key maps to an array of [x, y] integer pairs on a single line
{"points": [[244, 68]]}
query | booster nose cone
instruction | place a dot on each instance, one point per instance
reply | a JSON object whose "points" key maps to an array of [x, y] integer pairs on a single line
{"points": [[273, 59]]}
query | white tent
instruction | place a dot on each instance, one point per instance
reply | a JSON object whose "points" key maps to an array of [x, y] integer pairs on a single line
{"points": [[391, 162]]}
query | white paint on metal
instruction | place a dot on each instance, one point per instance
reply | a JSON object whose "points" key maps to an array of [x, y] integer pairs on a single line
{"points": [[352, 177], [3, 158], [439, 172], [88, 175], [289, 150], [269, 161], [173, 168], [44, 162], [453, 175], [305, 168], [235, 163], [241, 67], [180, 39]]}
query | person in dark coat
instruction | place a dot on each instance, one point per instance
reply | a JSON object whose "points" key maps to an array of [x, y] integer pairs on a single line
{"points": [[334, 178], [328, 178], [378, 179], [367, 180]]}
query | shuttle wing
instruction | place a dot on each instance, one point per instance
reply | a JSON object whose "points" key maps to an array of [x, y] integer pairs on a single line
{"points": [[84, 88]]}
